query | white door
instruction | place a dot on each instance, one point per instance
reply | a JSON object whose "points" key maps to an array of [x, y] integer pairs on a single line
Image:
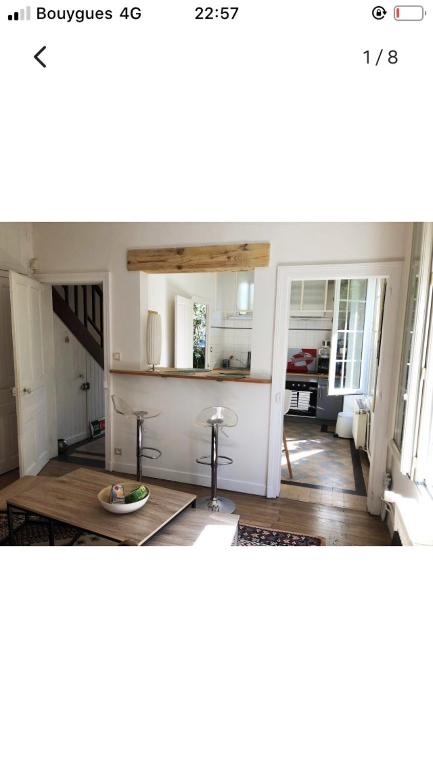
{"points": [[183, 325], [33, 345], [8, 416]]}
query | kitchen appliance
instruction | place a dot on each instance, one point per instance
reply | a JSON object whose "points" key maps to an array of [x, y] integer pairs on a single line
{"points": [[303, 397], [323, 357], [328, 406]]}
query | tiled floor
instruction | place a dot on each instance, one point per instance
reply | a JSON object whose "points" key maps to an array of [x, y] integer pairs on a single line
{"points": [[319, 459]]}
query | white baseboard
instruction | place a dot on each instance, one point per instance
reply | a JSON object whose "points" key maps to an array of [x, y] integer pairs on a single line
{"points": [[162, 473]]}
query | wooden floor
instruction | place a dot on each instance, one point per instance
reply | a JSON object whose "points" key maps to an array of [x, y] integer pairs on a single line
{"points": [[337, 525], [8, 478]]}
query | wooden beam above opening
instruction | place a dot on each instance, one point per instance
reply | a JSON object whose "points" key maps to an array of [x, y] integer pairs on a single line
{"points": [[230, 257]]}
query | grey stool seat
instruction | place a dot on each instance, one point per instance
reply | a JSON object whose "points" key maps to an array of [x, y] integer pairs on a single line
{"points": [[216, 418], [142, 451]]}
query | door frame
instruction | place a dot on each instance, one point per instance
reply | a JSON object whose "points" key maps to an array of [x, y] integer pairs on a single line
{"points": [[89, 278], [5, 275], [286, 274]]}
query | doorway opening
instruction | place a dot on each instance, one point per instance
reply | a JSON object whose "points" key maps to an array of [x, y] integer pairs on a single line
{"points": [[8, 417], [334, 342], [78, 317], [333, 375]]}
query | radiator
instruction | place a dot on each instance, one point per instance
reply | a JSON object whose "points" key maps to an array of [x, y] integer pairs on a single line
{"points": [[361, 424]]}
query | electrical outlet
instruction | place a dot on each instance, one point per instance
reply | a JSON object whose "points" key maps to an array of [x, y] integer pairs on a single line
{"points": [[117, 451], [116, 355]]}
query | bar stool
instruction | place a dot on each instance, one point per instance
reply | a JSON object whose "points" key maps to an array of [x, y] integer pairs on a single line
{"points": [[216, 417], [143, 451]]}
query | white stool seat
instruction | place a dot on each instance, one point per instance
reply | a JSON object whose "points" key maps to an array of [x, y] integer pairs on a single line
{"points": [[124, 409]]}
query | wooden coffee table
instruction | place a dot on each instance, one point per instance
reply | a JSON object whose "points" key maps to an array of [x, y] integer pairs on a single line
{"points": [[72, 499]]}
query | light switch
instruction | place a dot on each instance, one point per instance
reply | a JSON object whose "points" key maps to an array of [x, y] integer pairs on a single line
{"points": [[116, 355]]}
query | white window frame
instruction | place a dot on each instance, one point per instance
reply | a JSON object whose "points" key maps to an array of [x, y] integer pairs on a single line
{"points": [[366, 343], [422, 460], [408, 460]]}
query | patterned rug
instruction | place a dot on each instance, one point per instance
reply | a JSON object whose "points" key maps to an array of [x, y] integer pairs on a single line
{"points": [[34, 532], [249, 536]]}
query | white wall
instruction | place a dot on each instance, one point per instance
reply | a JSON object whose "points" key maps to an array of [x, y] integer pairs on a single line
{"points": [[100, 247], [74, 365], [309, 332], [89, 247], [16, 246]]}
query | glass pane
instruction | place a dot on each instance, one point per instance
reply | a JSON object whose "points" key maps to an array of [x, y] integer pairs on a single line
{"points": [[358, 290], [341, 345], [330, 295], [314, 294], [344, 289], [199, 335], [342, 316], [354, 345], [352, 374], [295, 295], [350, 333]]}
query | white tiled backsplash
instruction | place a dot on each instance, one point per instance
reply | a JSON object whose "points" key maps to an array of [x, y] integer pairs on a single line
{"points": [[231, 337], [310, 332]]}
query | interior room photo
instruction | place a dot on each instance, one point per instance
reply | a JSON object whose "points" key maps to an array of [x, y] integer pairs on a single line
{"points": [[216, 384]]}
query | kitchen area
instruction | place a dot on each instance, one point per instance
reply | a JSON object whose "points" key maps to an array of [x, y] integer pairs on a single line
{"points": [[322, 466], [308, 354]]}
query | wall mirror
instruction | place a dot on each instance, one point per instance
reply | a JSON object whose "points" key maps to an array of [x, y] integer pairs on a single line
{"points": [[206, 318]]}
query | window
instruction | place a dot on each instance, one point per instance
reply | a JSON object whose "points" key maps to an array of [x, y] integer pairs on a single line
{"points": [[409, 325], [351, 336], [379, 305], [414, 351]]}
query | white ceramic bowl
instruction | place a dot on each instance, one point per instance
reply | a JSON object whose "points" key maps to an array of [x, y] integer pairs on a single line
{"points": [[121, 509]]}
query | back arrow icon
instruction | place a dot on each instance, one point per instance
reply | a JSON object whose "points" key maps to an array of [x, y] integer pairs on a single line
{"points": [[36, 56]]}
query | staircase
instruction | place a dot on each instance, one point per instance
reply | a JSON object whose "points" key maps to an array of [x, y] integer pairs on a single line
{"points": [[81, 309]]}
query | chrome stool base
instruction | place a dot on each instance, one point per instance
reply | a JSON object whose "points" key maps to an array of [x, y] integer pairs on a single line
{"points": [[218, 504], [143, 451], [215, 503]]}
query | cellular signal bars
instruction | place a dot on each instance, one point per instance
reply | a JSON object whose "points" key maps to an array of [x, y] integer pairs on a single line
{"points": [[22, 15]]}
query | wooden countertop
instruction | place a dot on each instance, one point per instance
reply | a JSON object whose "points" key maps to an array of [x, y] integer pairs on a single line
{"points": [[218, 374], [290, 375]]}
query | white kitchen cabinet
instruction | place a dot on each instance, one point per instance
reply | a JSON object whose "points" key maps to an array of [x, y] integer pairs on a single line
{"points": [[312, 298], [235, 292]]}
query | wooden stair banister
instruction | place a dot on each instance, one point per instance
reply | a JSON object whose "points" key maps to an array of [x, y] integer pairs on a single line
{"points": [[69, 315]]}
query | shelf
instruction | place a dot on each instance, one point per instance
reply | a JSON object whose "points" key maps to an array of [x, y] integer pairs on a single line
{"points": [[238, 375]]}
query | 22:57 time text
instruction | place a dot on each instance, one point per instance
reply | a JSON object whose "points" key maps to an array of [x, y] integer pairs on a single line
{"points": [[226, 13]]}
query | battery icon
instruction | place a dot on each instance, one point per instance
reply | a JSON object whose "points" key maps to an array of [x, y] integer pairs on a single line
{"points": [[409, 13]]}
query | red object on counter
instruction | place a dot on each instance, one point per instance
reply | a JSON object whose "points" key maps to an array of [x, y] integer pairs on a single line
{"points": [[301, 360]]}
